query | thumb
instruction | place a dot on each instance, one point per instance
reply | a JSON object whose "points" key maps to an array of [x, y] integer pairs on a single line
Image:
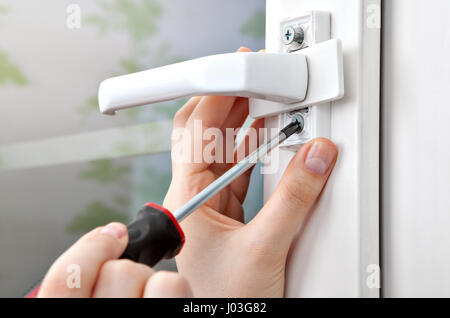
{"points": [[297, 192]]}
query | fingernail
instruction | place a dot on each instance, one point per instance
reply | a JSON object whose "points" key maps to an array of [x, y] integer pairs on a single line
{"points": [[116, 230], [320, 157]]}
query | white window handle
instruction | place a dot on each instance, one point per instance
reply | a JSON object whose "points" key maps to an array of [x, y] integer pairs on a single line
{"points": [[274, 77]]}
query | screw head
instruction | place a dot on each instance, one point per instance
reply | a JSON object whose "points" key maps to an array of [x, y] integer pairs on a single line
{"points": [[291, 35]]}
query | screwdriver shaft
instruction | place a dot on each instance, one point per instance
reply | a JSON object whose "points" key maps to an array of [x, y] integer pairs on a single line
{"points": [[237, 170]]}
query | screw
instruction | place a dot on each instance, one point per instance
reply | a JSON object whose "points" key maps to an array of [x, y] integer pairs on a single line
{"points": [[298, 119], [293, 34]]}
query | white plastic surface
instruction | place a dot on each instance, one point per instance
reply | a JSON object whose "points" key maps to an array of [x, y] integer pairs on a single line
{"points": [[316, 26], [415, 149], [336, 249], [325, 82], [275, 77]]}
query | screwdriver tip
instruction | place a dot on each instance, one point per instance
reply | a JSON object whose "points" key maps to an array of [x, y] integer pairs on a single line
{"points": [[295, 127]]}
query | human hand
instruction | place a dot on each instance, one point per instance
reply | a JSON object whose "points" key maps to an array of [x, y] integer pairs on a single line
{"points": [[222, 256], [101, 274]]}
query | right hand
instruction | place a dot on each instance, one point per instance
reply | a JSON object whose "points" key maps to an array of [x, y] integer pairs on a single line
{"points": [[223, 256], [102, 274]]}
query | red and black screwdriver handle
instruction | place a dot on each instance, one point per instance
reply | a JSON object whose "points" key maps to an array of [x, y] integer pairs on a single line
{"points": [[153, 235]]}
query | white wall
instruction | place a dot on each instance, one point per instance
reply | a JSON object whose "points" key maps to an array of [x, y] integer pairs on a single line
{"points": [[416, 148]]}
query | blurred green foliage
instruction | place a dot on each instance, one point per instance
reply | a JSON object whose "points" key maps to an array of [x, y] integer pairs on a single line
{"points": [[105, 171], [9, 72], [137, 18], [3, 9], [154, 185], [168, 110], [91, 106], [256, 26], [95, 214], [130, 65], [122, 201]]}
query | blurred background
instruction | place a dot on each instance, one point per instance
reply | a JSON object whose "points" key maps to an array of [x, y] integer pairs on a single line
{"points": [[64, 167]]}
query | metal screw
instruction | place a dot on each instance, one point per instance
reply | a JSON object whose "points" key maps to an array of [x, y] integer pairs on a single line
{"points": [[298, 118], [293, 34]]}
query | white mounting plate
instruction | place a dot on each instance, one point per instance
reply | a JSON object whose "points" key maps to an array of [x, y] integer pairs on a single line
{"points": [[325, 81], [316, 27]]}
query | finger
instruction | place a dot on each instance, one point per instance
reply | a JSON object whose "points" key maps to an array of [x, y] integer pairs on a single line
{"points": [[211, 111], [244, 49], [182, 115], [230, 129], [214, 110], [167, 285], [204, 135], [299, 188], [231, 204], [122, 279], [240, 185], [239, 112], [75, 272], [249, 142], [238, 115], [233, 208]]}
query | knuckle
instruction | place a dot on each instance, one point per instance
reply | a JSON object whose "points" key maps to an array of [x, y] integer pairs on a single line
{"points": [[170, 280], [167, 284], [106, 244], [118, 267], [108, 247]]}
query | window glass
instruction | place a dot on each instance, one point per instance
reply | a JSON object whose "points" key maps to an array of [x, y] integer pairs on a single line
{"points": [[50, 69], [64, 167]]}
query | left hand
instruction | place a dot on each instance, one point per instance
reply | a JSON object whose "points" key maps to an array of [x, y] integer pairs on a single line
{"points": [[91, 268]]}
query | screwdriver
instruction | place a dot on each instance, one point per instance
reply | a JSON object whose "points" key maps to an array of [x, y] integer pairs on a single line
{"points": [[155, 233]]}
